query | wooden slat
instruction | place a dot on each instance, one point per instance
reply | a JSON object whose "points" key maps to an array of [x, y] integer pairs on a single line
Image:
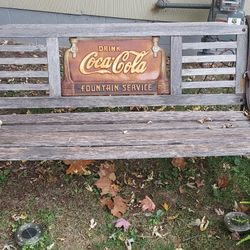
{"points": [[104, 138], [241, 64], [19, 61], [210, 58], [22, 48], [120, 117], [54, 67], [122, 29], [120, 101], [24, 86], [176, 65], [208, 84], [210, 45], [208, 71], [124, 127], [124, 152], [21, 74]]}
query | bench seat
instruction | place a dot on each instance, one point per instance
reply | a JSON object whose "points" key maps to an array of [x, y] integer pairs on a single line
{"points": [[123, 135]]}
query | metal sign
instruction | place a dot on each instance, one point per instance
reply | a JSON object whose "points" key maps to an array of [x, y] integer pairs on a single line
{"points": [[120, 66]]}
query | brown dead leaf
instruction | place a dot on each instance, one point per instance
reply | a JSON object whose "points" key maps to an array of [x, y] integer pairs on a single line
{"points": [[206, 119], [107, 186], [179, 163], [235, 236], [78, 167], [107, 202], [200, 183], [147, 204], [242, 208], [107, 178], [107, 170], [223, 182], [182, 190], [120, 206]]}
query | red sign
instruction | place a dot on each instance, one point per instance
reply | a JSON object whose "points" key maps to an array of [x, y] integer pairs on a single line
{"points": [[115, 67]]}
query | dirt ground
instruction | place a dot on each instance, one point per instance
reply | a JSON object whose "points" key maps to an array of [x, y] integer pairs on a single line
{"points": [[64, 204]]}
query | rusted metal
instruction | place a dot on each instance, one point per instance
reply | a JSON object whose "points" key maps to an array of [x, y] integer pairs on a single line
{"points": [[120, 66]]}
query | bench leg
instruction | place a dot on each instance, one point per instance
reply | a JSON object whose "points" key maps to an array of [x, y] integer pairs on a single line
{"points": [[248, 68], [247, 95]]}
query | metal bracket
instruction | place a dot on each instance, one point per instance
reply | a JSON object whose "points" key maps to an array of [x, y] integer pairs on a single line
{"points": [[73, 48], [156, 47]]}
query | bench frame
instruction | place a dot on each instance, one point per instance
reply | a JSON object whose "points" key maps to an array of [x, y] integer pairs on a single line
{"points": [[176, 32], [117, 144]]}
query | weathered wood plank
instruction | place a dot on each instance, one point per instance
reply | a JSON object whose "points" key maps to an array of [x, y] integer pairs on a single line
{"points": [[115, 138], [20, 61], [124, 126], [241, 64], [208, 71], [120, 101], [208, 84], [123, 152], [121, 117], [210, 58], [54, 67], [176, 65], [23, 86], [210, 45], [22, 48], [21, 74], [120, 29]]}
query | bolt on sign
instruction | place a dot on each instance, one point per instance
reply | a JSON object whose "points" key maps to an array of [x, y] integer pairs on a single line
{"points": [[121, 66]]}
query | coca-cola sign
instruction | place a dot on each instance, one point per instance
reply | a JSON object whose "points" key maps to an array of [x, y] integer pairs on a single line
{"points": [[115, 67]]}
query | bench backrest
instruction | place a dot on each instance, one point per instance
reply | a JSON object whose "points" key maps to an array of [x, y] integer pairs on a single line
{"points": [[181, 77]]}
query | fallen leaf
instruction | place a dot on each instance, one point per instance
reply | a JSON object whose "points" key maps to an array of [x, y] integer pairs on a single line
{"points": [[223, 182], [147, 204], [78, 167], [122, 223], [235, 236], [191, 185], [107, 202], [50, 246], [93, 224], [107, 186], [195, 223], [150, 177], [89, 188], [120, 206], [107, 170], [206, 119], [182, 190], [204, 224], [173, 217], [179, 163], [200, 183], [166, 206], [1, 123], [9, 247], [219, 212], [128, 243], [227, 125], [156, 233], [243, 208], [239, 207], [16, 217]]}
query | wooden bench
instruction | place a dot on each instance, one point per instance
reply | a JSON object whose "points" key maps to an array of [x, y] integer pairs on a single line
{"points": [[125, 134]]}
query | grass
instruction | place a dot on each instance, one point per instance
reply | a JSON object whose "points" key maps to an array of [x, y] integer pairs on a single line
{"points": [[4, 175], [64, 206]]}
